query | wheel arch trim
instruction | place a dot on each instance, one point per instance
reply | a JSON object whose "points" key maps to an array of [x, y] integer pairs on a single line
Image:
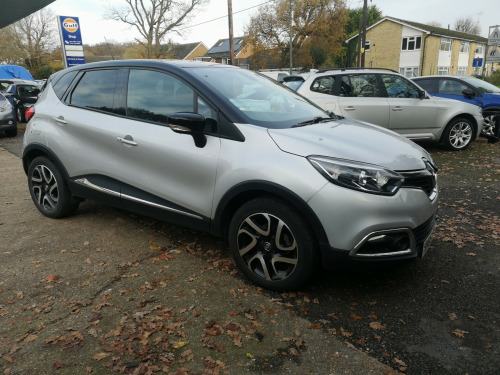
{"points": [[248, 190]]}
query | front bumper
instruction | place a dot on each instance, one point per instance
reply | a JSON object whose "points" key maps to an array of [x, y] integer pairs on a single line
{"points": [[368, 227]]}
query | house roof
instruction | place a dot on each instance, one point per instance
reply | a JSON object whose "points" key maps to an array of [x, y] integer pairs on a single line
{"points": [[221, 47], [181, 51], [433, 30]]}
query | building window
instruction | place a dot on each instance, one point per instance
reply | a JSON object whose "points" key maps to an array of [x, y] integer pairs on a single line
{"points": [[411, 43], [409, 71], [480, 49], [445, 44], [464, 47], [443, 70], [462, 71], [367, 45]]}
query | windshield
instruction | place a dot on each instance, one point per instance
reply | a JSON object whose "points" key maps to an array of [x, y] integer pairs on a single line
{"points": [[482, 86], [263, 101]]}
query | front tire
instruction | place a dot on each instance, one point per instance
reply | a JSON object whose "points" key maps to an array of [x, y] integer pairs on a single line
{"points": [[272, 244], [48, 189], [458, 134], [489, 126]]}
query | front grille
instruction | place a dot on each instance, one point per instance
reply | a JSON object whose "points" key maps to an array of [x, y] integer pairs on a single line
{"points": [[424, 180]]}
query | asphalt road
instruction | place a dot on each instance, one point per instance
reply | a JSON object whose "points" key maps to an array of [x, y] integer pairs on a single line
{"points": [[436, 315]]}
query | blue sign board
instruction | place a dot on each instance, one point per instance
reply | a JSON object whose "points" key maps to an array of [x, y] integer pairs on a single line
{"points": [[477, 62], [71, 41]]}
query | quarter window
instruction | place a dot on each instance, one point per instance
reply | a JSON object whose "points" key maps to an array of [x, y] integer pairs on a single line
{"points": [[323, 85], [95, 90], [399, 87], [62, 84], [411, 43]]}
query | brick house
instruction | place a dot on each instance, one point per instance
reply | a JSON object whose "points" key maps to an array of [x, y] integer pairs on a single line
{"points": [[188, 51], [220, 53], [415, 49]]}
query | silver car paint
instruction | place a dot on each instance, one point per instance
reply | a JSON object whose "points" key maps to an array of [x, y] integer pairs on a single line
{"points": [[198, 178], [414, 118]]}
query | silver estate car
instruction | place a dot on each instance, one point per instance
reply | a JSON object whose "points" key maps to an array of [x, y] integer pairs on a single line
{"points": [[227, 151], [386, 98]]}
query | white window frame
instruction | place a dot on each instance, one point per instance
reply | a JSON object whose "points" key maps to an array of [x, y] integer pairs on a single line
{"points": [[480, 49], [367, 45], [411, 39], [409, 71], [464, 47], [462, 71], [445, 44], [443, 70]]}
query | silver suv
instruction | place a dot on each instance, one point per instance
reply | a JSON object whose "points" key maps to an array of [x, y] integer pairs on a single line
{"points": [[386, 98], [228, 151]]}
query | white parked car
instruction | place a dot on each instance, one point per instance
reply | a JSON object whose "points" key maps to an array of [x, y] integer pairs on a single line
{"points": [[386, 98]]}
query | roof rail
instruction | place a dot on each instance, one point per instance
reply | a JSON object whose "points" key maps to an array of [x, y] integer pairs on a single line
{"points": [[355, 68]]}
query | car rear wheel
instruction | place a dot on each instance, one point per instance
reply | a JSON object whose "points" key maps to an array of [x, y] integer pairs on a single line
{"points": [[458, 134], [272, 244], [48, 189]]}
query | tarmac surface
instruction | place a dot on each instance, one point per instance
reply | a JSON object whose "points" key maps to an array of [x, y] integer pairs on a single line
{"points": [[104, 291]]}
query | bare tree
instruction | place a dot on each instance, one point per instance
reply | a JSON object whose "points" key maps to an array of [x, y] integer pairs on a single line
{"points": [[468, 25], [30, 40], [434, 23], [154, 19]]}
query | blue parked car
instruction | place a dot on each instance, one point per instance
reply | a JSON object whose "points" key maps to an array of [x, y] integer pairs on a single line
{"points": [[466, 89]]}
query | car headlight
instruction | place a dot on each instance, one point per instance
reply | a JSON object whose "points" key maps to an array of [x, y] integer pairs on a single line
{"points": [[368, 178], [6, 107]]}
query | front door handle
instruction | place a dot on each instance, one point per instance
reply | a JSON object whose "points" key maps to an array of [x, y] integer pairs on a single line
{"points": [[397, 109], [350, 108], [127, 140]]}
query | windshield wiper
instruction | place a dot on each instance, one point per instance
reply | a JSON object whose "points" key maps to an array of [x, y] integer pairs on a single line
{"points": [[315, 120]]}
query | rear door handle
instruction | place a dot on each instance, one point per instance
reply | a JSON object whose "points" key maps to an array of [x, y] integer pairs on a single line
{"points": [[60, 120], [350, 108], [127, 140], [397, 109]]}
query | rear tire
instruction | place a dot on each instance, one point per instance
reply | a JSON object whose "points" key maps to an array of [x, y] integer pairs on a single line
{"points": [[272, 244], [458, 134], [48, 189]]}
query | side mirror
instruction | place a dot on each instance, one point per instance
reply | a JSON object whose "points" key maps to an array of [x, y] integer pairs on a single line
{"points": [[189, 123], [468, 93], [422, 94]]}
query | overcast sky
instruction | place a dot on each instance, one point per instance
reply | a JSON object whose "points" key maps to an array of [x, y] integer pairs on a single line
{"points": [[95, 29]]}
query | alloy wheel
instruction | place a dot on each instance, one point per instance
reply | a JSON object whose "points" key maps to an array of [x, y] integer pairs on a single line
{"points": [[489, 125], [460, 135], [267, 246], [45, 188]]}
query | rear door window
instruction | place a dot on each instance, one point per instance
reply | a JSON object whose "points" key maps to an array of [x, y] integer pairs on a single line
{"points": [[359, 85], [95, 90]]}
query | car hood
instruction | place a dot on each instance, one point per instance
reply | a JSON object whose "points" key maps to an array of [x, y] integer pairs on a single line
{"points": [[351, 140]]}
